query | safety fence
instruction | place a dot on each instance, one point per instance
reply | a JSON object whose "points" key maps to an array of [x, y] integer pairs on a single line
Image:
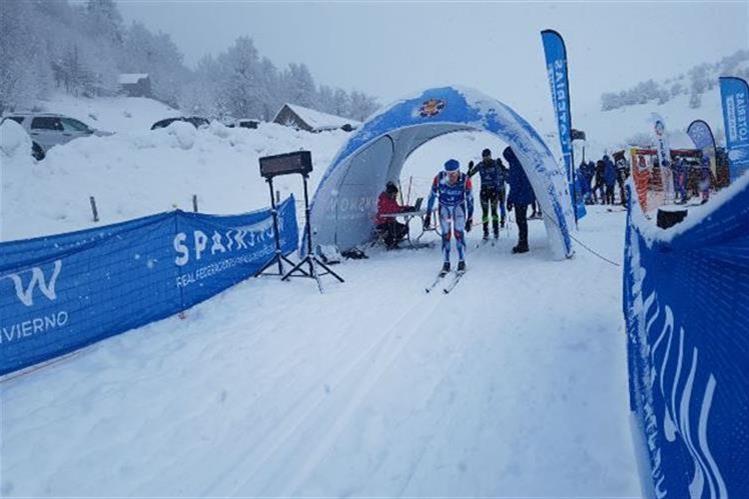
{"points": [[686, 304], [64, 292]]}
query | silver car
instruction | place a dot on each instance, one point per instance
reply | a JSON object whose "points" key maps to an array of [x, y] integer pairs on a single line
{"points": [[47, 130]]}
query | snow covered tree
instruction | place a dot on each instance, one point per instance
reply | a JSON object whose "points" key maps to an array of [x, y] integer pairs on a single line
{"points": [[24, 70], [362, 106]]}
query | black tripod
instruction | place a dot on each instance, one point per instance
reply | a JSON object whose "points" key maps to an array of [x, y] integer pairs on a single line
{"points": [[310, 259], [278, 257]]}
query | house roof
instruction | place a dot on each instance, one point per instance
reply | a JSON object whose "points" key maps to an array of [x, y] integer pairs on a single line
{"points": [[131, 78], [318, 120]]}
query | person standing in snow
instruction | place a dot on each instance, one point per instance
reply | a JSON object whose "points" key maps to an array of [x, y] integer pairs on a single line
{"points": [[589, 172], [453, 190], [609, 178], [389, 228], [680, 180], [599, 186], [622, 172], [492, 174], [521, 195], [706, 176]]}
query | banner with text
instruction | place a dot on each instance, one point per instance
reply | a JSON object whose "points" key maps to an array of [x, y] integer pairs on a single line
{"points": [[734, 95], [686, 305], [556, 69], [61, 293]]}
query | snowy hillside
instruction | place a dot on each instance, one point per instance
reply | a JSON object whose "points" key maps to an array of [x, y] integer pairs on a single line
{"points": [[614, 129]]}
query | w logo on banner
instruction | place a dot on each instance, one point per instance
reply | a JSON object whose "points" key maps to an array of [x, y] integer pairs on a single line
{"points": [[36, 278]]}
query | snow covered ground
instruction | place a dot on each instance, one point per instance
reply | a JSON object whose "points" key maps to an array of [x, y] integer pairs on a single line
{"points": [[514, 384]]}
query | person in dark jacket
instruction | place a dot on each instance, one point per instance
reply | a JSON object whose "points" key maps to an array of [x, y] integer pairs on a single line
{"points": [[706, 178], [521, 195], [609, 178], [600, 185], [493, 176], [622, 172], [391, 230], [589, 173], [679, 167]]}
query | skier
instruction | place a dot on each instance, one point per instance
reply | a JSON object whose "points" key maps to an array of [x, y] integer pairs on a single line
{"points": [[492, 173], [453, 189], [521, 195]]}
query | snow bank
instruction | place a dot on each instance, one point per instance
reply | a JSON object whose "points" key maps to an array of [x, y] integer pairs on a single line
{"points": [[138, 173], [184, 133], [14, 141]]}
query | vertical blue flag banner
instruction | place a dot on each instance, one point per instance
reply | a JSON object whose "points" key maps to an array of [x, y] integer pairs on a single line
{"points": [[556, 68], [702, 135], [64, 292], [686, 305], [734, 95]]}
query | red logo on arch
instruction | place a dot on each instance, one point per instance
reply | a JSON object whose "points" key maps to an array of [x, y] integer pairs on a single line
{"points": [[431, 108]]}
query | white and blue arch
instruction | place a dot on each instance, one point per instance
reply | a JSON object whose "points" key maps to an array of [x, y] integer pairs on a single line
{"points": [[343, 208]]}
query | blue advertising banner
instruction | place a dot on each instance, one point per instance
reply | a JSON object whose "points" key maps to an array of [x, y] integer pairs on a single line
{"points": [[556, 68], [61, 293], [686, 305], [734, 95], [702, 135]]}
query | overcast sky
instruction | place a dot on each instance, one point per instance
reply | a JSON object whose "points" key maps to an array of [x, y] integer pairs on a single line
{"points": [[389, 49]]}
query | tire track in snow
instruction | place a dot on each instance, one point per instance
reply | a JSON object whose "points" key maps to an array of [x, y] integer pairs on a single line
{"points": [[286, 428]]}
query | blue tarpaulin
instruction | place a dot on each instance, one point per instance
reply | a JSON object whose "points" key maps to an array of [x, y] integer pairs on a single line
{"points": [[686, 304], [61, 293]]}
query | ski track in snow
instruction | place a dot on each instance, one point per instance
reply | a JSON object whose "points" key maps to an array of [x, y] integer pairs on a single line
{"points": [[513, 384]]}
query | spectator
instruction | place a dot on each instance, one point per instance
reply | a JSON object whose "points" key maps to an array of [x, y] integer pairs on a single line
{"points": [[609, 178], [706, 177], [521, 195], [389, 228], [622, 172], [598, 188], [680, 169]]}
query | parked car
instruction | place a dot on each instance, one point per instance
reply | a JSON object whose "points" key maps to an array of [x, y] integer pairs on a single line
{"points": [[244, 123], [195, 121], [47, 130]]}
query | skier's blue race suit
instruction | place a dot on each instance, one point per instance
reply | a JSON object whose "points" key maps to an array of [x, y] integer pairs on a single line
{"points": [[455, 207]]}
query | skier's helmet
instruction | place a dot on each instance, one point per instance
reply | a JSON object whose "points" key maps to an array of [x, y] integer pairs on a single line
{"points": [[452, 165]]}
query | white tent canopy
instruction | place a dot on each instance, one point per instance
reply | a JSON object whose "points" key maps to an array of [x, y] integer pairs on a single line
{"points": [[345, 204]]}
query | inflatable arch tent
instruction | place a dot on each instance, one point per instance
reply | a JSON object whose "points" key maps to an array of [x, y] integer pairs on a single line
{"points": [[343, 208]]}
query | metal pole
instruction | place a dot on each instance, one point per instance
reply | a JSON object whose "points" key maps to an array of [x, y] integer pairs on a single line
{"points": [[93, 208], [274, 213], [310, 255]]}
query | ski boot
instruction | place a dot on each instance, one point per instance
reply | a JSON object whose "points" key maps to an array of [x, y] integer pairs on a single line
{"points": [[486, 235], [461, 266], [445, 269], [520, 248]]}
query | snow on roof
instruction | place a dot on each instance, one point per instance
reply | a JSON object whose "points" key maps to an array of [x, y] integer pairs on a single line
{"points": [[318, 120], [131, 78]]}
